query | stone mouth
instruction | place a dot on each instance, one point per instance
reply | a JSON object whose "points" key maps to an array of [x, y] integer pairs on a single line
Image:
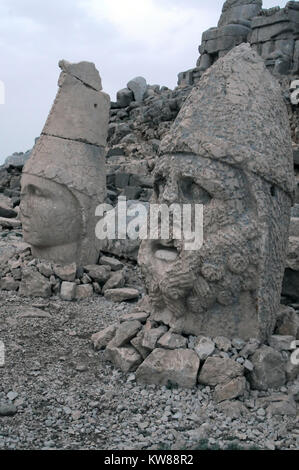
{"points": [[164, 250]]}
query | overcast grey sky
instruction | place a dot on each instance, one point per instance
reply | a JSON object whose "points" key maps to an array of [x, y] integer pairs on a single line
{"points": [[124, 38]]}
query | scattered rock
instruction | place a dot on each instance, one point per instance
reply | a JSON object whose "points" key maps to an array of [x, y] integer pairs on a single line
{"points": [[125, 358], [84, 291], [204, 348], [217, 370], [101, 339], [66, 272], [120, 295], [172, 341], [34, 284], [68, 290], [113, 263], [268, 369], [124, 333], [233, 389]]}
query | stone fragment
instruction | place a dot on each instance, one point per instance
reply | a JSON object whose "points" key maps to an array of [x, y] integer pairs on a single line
{"points": [[172, 341], [86, 72], [233, 409], [124, 333], [222, 343], [292, 371], [114, 264], [250, 348], [138, 86], [282, 406], [101, 339], [9, 223], [268, 371], [217, 370], [204, 348], [33, 313], [84, 291], [6, 210], [140, 316], [124, 97], [169, 367], [151, 336], [125, 358], [46, 269], [281, 342], [117, 280], [66, 272], [233, 389], [68, 290], [8, 283], [120, 295], [137, 344], [34, 284], [7, 409], [287, 322], [100, 274]]}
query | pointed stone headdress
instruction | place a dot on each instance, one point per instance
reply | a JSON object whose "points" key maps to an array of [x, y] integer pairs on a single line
{"points": [[232, 116]]}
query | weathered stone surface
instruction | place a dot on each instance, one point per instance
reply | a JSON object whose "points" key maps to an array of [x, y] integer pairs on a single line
{"points": [[268, 369], [235, 11], [292, 261], [140, 316], [46, 269], [222, 343], [233, 389], [115, 281], [281, 342], [138, 86], [5, 209], [67, 165], [204, 347], [222, 286], [124, 97], [151, 336], [122, 294], [113, 263], [9, 223], [217, 370], [126, 358], [8, 283], [84, 291], [287, 322], [100, 274], [68, 290], [66, 272], [124, 333], [164, 367], [101, 339], [34, 284], [172, 341], [283, 405]]}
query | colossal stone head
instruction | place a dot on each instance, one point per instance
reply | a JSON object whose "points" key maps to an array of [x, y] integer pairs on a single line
{"points": [[64, 179], [229, 150]]}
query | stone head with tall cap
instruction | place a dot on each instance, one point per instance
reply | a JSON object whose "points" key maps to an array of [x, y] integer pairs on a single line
{"points": [[64, 179], [230, 151]]}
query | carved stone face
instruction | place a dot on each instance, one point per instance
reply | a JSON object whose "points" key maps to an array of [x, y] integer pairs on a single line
{"points": [[50, 213], [196, 291]]}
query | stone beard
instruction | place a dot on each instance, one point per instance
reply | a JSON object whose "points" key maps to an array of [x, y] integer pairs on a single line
{"points": [[231, 285]]}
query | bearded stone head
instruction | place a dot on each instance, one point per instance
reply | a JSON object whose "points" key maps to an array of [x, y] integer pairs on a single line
{"points": [[229, 150]]}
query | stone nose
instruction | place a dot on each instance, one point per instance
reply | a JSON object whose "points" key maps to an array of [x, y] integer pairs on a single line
{"points": [[170, 193]]}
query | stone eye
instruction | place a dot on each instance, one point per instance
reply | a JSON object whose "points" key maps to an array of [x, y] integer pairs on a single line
{"points": [[193, 191]]}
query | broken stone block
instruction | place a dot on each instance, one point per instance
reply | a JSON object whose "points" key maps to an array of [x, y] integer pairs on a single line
{"points": [[287, 322], [169, 367], [125, 358], [292, 371], [66, 272], [124, 333], [114, 264], [140, 316], [268, 371], [138, 86], [172, 341], [204, 347], [281, 342], [101, 339], [8, 283], [122, 294], [222, 343], [115, 281], [233, 389], [151, 335], [124, 97], [84, 291], [68, 290], [282, 406], [137, 344], [45, 269], [98, 273], [34, 284], [218, 370]]}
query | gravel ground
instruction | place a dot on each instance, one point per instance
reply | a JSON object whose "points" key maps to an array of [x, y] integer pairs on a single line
{"points": [[63, 395]]}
